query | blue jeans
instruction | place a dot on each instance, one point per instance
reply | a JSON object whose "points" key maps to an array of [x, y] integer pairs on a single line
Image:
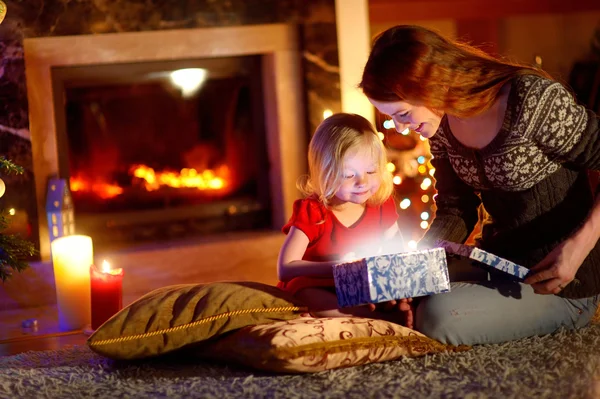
{"points": [[499, 310]]}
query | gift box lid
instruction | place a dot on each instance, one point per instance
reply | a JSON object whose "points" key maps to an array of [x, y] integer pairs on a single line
{"points": [[486, 258]]}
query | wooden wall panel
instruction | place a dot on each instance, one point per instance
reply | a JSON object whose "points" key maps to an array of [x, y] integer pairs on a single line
{"points": [[386, 11]]}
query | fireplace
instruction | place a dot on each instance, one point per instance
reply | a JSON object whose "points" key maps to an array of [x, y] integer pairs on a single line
{"points": [[147, 159], [142, 159]]}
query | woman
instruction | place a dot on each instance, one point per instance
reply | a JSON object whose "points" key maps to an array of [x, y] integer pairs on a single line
{"points": [[509, 138]]}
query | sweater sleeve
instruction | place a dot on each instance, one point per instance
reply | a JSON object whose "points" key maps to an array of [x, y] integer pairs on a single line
{"points": [[456, 202], [563, 130]]}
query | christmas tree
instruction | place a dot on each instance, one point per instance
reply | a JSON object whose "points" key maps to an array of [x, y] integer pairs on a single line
{"points": [[13, 249]]}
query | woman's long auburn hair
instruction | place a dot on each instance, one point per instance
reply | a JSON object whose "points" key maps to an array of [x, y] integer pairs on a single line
{"points": [[336, 137], [417, 65]]}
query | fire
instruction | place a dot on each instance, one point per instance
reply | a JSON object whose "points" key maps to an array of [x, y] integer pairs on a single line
{"points": [[152, 180], [105, 266], [187, 177], [102, 190]]}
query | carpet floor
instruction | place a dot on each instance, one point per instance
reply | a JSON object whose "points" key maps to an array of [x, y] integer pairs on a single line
{"points": [[561, 365]]}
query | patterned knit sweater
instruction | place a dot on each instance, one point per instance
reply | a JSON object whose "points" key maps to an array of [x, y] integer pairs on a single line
{"points": [[531, 179]]}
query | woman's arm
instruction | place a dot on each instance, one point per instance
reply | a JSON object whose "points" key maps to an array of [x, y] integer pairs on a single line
{"points": [[579, 144], [456, 202], [559, 267], [290, 263]]}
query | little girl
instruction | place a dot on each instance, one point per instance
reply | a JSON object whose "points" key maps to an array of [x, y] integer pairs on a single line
{"points": [[348, 212]]}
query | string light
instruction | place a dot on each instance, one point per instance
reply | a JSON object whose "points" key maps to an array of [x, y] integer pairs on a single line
{"points": [[381, 136], [327, 113], [426, 183], [405, 203], [416, 169]]}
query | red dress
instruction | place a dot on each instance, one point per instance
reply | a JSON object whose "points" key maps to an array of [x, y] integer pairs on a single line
{"points": [[330, 240]]}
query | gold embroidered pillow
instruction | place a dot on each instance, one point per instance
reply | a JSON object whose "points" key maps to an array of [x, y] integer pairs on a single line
{"points": [[307, 344], [173, 317]]}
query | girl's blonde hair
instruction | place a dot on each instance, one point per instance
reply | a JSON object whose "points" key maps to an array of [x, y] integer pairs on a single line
{"points": [[417, 65], [336, 137]]}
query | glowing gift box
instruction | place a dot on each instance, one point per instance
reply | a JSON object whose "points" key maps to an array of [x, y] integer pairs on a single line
{"points": [[394, 276], [485, 259]]}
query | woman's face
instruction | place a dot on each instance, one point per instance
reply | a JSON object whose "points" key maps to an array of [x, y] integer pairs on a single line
{"points": [[406, 115]]}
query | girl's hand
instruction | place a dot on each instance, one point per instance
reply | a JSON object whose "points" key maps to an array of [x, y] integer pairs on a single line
{"points": [[403, 305], [557, 269]]}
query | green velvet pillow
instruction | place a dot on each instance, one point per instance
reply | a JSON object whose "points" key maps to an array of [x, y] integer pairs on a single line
{"points": [[173, 317]]}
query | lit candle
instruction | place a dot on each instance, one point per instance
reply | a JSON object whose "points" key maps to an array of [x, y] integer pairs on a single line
{"points": [[107, 293], [71, 259]]}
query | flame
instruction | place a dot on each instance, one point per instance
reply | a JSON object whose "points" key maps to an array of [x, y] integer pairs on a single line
{"points": [[101, 189], [187, 177], [151, 180], [105, 266]]}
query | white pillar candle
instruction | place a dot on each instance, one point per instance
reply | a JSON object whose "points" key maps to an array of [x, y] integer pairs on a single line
{"points": [[72, 257]]}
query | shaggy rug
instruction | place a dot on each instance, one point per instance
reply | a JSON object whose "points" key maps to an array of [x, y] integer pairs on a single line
{"points": [[561, 365]]}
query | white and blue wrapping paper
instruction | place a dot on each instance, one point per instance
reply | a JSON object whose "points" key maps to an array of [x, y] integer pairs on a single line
{"points": [[497, 263], [394, 276]]}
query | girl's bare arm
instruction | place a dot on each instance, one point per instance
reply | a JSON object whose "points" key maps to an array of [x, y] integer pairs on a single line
{"points": [[290, 263]]}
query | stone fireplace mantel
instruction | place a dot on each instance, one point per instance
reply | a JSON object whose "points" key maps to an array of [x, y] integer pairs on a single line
{"points": [[277, 44]]}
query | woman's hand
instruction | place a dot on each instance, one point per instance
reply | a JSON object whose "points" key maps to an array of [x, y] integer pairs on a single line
{"points": [[403, 305], [557, 269]]}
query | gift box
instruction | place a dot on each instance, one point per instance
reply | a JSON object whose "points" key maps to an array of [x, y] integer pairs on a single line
{"points": [[485, 259], [382, 278]]}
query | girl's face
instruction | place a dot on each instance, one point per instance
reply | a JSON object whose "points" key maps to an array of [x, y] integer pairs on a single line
{"points": [[406, 115], [360, 177]]}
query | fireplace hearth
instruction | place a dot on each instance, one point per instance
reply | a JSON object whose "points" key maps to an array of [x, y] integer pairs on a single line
{"points": [[117, 230]]}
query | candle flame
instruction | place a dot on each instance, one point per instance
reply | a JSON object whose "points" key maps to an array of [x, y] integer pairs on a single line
{"points": [[105, 266]]}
